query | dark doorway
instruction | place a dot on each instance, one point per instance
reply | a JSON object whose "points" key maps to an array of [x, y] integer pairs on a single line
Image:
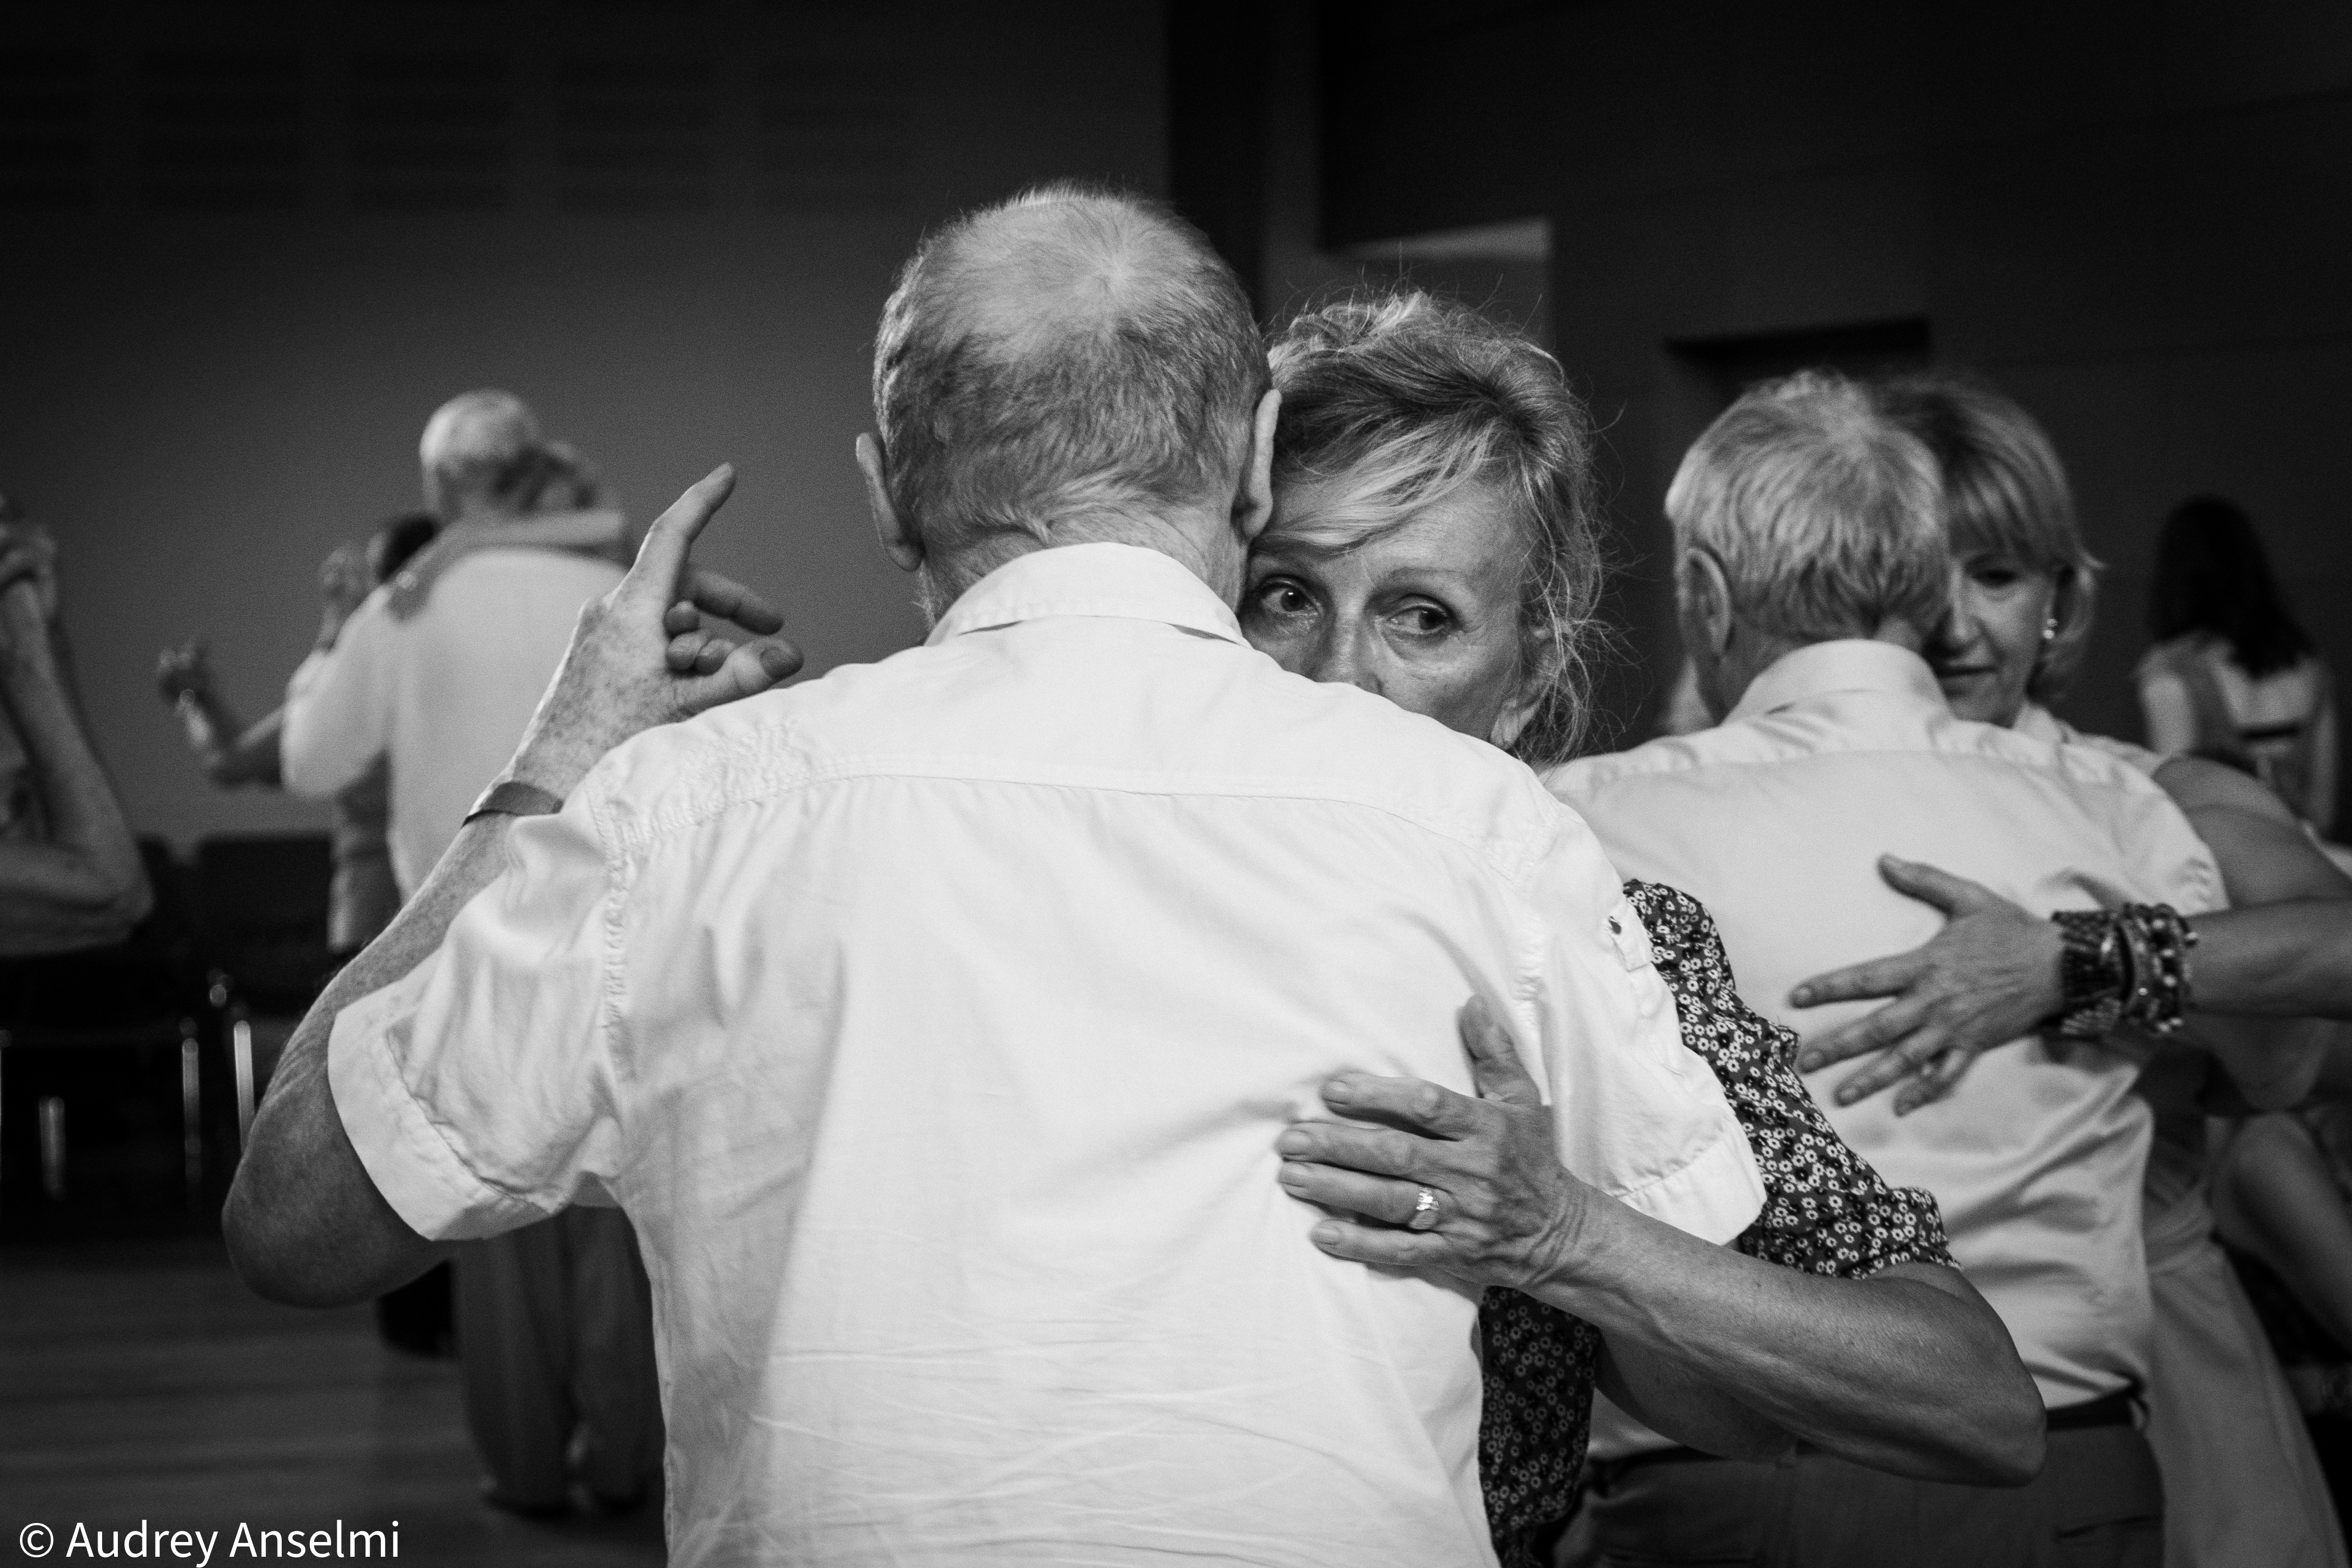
{"points": [[1733, 364]]}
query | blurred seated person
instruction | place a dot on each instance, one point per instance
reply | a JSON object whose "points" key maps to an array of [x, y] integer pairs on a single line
{"points": [[70, 875], [2232, 676]]}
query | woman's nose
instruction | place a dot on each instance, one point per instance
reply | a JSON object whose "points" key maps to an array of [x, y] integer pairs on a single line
{"points": [[1348, 659]]}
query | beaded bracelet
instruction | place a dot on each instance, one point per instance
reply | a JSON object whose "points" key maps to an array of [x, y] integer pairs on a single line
{"points": [[2093, 973], [2162, 996], [2124, 965]]}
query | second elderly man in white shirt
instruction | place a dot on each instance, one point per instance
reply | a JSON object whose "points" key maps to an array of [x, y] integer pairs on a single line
{"points": [[1813, 568]]}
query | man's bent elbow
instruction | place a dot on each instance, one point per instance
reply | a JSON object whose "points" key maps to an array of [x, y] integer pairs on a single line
{"points": [[276, 1261]]}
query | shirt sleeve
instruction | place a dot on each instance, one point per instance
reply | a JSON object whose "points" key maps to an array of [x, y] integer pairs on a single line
{"points": [[478, 1090], [1635, 1115], [2154, 837], [1826, 1209], [339, 707]]}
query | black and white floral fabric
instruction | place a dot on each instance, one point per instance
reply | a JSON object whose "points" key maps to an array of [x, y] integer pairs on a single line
{"points": [[1826, 1211]]}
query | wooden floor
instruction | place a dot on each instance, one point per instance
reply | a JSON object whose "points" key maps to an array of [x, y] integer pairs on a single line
{"points": [[139, 1380]]}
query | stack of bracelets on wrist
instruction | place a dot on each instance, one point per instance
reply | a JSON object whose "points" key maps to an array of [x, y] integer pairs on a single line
{"points": [[2127, 966]]}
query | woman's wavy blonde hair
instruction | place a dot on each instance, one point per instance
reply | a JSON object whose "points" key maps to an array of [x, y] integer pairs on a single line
{"points": [[1402, 398]]}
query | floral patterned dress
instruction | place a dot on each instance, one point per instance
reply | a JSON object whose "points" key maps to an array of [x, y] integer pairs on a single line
{"points": [[1826, 1211]]}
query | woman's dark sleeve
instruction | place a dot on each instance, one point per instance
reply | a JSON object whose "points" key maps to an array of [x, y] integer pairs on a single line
{"points": [[1826, 1209]]}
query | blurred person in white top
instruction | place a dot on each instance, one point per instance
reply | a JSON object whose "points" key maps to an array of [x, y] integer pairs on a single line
{"points": [[935, 1021], [1811, 571], [554, 1322]]}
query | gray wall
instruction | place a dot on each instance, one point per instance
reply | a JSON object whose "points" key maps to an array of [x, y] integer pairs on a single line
{"points": [[2135, 218], [250, 249]]}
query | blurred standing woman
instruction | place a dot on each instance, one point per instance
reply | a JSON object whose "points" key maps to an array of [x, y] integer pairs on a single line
{"points": [[2232, 676]]}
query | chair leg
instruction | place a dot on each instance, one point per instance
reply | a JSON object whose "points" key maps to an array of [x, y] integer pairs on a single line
{"points": [[53, 1147], [192, 1121], [240, 1058]]}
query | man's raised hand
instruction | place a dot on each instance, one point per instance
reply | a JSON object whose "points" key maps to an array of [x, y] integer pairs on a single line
{"points": [[641, 655]]}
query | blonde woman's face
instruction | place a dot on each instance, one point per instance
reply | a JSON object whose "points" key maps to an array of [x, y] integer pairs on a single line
{"points": [[1985, 654], [1426, 614]]}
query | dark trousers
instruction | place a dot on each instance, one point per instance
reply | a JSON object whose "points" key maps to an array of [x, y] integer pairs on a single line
{"points": [[2098, 1503], [555, 1339]]}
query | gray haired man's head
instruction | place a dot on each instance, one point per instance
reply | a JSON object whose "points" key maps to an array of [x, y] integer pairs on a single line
{"points": [[1066, 367], [472, 447], [1801, 516]]}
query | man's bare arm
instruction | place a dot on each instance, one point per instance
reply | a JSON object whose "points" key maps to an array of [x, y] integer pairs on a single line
{"points": [[305, 1222]]}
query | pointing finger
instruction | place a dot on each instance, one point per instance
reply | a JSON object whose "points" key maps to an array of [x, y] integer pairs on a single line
{"points": [[661, 559]]}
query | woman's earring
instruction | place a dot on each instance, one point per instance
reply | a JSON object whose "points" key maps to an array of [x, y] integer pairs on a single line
{"points": [[2049, 630]]}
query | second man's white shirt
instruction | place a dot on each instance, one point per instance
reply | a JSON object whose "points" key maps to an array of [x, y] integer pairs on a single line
{"points": [[934, 1023], [1775, 819]]}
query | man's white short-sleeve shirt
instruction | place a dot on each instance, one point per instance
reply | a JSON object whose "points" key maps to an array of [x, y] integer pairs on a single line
{"points": [[1775, 819], [934, 1022]]}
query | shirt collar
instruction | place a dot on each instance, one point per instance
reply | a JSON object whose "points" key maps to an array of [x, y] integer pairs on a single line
{"points": [[1125, 581], [2042, 724], [1852, 664]]}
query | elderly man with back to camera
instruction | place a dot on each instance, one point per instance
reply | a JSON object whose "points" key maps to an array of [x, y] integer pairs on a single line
{"points": [[936, 1020]]}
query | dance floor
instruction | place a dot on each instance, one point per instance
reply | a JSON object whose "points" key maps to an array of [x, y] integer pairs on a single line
{"points": [[141, 1385]]}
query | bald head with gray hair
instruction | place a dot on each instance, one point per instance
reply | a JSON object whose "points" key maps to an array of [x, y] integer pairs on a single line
{"points": [[470, 445], [1069, 366]]}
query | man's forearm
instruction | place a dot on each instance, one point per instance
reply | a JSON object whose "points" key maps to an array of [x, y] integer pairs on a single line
{"points": [[301, 1179], [1907, 1371]]}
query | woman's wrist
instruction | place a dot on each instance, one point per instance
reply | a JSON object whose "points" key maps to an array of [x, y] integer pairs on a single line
{"points": [[2125, 965]]}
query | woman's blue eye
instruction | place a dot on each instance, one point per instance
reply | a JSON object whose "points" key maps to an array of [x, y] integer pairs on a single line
{"points": [[1425, 620]]}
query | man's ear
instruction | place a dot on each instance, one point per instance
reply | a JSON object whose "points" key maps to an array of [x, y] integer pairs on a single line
{"points": [[1254, 501], [899, 541], [1704, 599]]}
